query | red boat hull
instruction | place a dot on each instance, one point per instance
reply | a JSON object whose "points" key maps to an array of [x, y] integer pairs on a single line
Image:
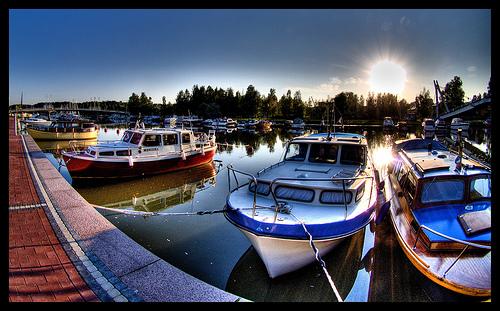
{"points": [[90, 168]]}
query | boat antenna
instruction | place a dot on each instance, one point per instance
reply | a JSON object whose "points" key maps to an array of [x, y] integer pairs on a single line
{"points": [[459, 136], [328, 120]]}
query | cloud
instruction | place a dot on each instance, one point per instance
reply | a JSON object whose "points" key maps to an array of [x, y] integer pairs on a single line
{"points": [[471, 68], [405, 21]]}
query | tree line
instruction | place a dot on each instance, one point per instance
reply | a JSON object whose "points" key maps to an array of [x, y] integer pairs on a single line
{"points": [[209, 102]]}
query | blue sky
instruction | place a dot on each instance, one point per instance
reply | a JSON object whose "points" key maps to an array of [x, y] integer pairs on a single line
{"points": [[82, 55]]}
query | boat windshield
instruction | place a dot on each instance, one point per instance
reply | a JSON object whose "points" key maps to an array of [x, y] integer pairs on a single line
{"points": [[136, 138], [323, 153], [442, 190], [126, 136], [296, 152], [480, 188], [352, 154]]}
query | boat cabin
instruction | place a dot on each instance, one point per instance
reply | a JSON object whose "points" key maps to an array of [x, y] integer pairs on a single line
{"points": [[151, 142], [435, 188], [318, 170]]}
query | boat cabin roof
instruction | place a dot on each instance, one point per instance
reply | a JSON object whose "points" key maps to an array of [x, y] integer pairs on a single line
{"points": [[441, 163], [344, 138]]}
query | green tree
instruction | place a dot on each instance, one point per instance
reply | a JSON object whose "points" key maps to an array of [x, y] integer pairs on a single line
{"points": [[453, 94], [423, 103]]}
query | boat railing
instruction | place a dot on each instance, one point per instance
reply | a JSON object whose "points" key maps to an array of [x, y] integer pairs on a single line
{"points": [[75, 145], [270, 167], [467, 244], [278, 205]]}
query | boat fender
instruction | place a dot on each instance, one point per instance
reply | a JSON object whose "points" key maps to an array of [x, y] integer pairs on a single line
{"points": [[382, 211], [203, 149], [130, 161], [183, 155]]}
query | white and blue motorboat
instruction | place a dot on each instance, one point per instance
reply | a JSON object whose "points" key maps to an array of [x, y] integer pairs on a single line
{"points": [[324, 190]]}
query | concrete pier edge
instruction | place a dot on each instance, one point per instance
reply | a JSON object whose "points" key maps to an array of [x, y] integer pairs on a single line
{"points": [[114, 266]]}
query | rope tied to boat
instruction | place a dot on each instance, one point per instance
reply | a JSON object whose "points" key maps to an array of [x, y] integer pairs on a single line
{"points": [[319, 259]]}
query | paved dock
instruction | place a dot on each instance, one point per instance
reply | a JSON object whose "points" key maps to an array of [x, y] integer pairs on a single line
{"points": [[62, 250]]}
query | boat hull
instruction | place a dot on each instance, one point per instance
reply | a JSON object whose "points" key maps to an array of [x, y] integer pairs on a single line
{"points": [[70, 135], [281, 256], [89, 167]]}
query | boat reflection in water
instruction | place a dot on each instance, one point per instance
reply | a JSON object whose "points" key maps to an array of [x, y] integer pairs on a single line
{"points": [[307, 284], [151, 194]]}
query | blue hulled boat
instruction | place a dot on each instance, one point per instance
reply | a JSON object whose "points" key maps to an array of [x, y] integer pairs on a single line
{"points": [[323, 190]]}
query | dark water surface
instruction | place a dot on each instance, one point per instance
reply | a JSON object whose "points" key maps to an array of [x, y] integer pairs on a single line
{"points": [[369, 266]]}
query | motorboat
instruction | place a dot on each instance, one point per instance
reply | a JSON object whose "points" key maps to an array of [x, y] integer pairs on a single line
{"points": [[323, 189], [251, 124], [440, 125], [388, 123], [429, 127], [35, 121], [402, 125], [142, 152], [64, 130], [264, 125], [457, 123], [298, 124], [440, 209]]}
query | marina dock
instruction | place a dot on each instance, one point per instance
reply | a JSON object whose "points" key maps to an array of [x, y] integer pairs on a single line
{"points": [[61, 249]]}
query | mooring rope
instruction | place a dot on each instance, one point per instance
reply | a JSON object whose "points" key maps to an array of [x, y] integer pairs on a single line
{"points": [[319, 259]]}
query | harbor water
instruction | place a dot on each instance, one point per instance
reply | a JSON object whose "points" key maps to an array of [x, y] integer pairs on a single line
{"points": [[369, 266]]}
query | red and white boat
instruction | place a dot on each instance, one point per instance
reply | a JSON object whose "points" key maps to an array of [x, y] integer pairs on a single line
{"points": [[142, 152]]}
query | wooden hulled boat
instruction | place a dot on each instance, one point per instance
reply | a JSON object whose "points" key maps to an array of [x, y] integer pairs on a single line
{"points": [[440, 208], [142, 152], [324, 182], [64, 130]]}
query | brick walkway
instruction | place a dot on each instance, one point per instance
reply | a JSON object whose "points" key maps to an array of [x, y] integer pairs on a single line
{"points": [[39, 268]]}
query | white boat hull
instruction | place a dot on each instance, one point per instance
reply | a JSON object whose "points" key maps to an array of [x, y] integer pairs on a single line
{"points": [[281, 256]]}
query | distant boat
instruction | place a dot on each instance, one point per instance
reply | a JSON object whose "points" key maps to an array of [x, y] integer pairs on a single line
{"points": [[428, 127], [457, 123], [402, 125], [440, 125], [298, 124], [35, 121], [64, 130], [142, 152], [388, 123], [264, 125]]}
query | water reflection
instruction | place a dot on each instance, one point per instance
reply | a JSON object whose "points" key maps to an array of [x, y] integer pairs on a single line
{"points": [[249, 277], [152, 194]]}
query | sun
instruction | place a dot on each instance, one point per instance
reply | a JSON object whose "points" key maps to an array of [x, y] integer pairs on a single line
{"points": [[387, 77]]}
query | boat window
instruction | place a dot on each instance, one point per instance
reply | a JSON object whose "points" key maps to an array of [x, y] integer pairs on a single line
{"points": [[296, 152], [186, 138], [323, 153], [123, 152], [480, 188], [352, 154], [88, 125], [151, 140], [136, 138], [169, 139], [262, 187], [106, 153], [126, 136], [292, 193], [335, 197], [442, 190]]}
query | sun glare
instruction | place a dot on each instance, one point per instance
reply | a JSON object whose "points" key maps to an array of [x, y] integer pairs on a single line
{"points": [[387, 77]]}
